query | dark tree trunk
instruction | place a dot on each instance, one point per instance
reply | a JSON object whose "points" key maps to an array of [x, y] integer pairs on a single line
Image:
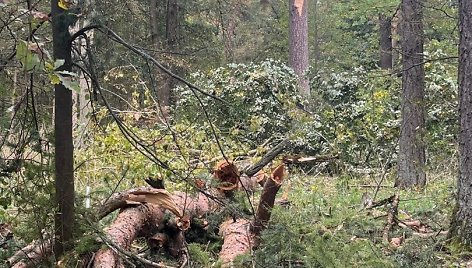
{"points": [[64, 175], [154, 15], [298, 42], [172, 36], [411, 157], [385, 27], [172, 23], [462, 218]]}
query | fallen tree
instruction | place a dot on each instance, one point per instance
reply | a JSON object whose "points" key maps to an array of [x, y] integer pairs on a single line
{"points": [[163, 218], [148, 219]]}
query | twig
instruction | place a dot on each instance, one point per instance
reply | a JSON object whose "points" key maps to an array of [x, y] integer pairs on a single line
{"points": [[128, 254]]}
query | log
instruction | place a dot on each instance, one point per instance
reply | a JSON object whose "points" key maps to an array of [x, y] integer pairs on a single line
{"points": [[237, 240], [32, 254], [140, 220], [124, 230]]}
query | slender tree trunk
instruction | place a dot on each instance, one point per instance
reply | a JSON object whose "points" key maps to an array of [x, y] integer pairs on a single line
{"points": [[411, 157], [385, 41], [154, 15], [395, 23], [462, 218], [316, 42], [64, 178], [172, 35], [298, 42]]}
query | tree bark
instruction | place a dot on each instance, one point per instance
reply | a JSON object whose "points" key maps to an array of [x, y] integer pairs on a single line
{"points": [[154, 15], [298, 42], [461, 226], [385, 28], [124, 231], [411, 156], [395, 30], [172, 36], [64, 175]]}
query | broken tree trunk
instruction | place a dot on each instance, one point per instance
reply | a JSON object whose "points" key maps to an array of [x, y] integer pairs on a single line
{"points": [[241, 235]]}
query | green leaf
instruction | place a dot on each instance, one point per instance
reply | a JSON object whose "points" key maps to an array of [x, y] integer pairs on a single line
{"points": [[58, 63], [28, 59], [69, 83]]}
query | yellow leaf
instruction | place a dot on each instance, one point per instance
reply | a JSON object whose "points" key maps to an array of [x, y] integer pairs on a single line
{"points": [[54, 78], [64, 4]]}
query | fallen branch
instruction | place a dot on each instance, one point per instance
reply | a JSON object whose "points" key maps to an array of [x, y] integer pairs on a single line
{"points": [[392, 215], [267, 158], [307, 159]]}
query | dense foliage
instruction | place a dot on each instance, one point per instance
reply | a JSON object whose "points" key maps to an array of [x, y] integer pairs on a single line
{"points": [[234, 52]]}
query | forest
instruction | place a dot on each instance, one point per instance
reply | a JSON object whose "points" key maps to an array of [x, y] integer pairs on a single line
{"points": [[237, 133]]}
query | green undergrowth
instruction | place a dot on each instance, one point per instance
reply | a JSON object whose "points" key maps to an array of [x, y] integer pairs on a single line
{"points": [[326, 226]]}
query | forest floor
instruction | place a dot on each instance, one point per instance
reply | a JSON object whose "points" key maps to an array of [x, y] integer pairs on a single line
{"points": [[324, 222], [327, 225]]}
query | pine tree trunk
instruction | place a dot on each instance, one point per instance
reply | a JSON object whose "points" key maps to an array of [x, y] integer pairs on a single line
{"points": [[462, 218], [64, 161], [385, 28], [411, 157], [298, 42]]}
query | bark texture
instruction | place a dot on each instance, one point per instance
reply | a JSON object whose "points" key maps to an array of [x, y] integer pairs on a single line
{"points": [[298, 42], [385, 41], [411, 157], [64, 177], [462, 219], [124, 231]]}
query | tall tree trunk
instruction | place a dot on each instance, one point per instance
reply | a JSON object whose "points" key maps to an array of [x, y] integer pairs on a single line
{"points": [[411, 157], [172, 35], [298, 42], [154, 15], [316, 42], [385, 34], [462, 218], [64, 178]]}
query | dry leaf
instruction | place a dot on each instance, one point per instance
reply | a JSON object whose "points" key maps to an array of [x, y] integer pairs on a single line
{"points": [[157, 197], [397, 241]]}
